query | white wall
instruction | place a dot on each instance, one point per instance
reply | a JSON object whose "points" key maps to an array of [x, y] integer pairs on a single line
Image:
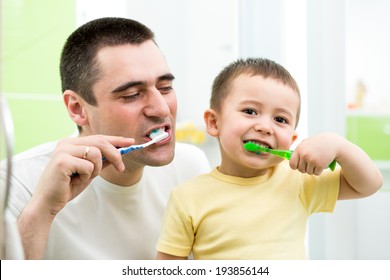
{"points": [[368, 56], [359, 229]]}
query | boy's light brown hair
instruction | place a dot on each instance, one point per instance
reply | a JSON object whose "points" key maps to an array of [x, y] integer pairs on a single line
{"points": [[250, 66]]}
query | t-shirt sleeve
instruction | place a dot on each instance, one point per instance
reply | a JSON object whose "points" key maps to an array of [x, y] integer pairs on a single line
{"points": [[320, 193], [177, 234]]}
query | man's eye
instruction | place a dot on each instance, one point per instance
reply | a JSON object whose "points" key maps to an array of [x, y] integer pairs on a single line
{"points": [[250, 111], [281, 120], [165, 90], [131, 96]]}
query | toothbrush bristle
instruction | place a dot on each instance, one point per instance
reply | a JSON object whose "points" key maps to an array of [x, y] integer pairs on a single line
{"points": [[156, 132], [160, 136], [255, 148], [251, 147]]}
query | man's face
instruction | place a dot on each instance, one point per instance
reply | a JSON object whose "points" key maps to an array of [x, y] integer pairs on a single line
{"points": [[134, 96]]}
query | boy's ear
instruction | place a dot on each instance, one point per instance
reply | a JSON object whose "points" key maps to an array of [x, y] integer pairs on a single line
{"points": [[76, 108], [210, 119], [294, 137]]}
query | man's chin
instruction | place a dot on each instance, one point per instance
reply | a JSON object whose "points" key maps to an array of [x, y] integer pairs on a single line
{"points": [[160, 161]]}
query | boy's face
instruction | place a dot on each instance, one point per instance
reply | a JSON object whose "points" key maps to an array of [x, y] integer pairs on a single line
{"points": [[259, 110]]}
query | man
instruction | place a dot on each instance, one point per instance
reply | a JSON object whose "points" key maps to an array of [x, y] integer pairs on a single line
{"points": [[117, 88]]}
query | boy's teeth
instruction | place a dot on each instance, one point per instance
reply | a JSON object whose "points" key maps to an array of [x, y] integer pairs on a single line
{"points": [[260, 144]]}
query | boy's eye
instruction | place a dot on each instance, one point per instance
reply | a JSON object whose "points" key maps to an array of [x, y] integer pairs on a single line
{"points": [[250, 111], [281, 120]]}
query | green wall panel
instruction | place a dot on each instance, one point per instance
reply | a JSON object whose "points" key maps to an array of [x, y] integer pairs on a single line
{"points": [[371, 133], [34, 32], [32, 35], [37, 121]]}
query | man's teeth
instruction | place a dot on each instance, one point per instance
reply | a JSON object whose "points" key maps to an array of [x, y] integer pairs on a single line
{"points": [[156, 132]]}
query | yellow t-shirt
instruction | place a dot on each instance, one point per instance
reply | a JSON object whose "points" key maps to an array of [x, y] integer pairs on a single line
{"points": [[216, 216]]}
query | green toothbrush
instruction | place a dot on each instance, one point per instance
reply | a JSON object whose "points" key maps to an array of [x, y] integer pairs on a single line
{"points": [[286, 154]]}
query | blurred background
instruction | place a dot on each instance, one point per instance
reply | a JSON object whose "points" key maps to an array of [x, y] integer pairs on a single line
{"points": [[336, 49]]}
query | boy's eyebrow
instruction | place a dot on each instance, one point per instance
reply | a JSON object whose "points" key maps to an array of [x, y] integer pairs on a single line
{"points": [[130, 84], [278, 109], [285, 111]]}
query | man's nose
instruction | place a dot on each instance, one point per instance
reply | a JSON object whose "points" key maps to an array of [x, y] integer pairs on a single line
{"points": [[157, 105]]}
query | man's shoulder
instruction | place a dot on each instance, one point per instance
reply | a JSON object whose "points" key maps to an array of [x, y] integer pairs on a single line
{"points": [[184, 148], [191, 154], [189, 161], [41, 150]]}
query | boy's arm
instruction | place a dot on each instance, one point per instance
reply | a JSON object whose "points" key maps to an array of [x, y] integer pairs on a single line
{"points": [[359, 175], [163, 256]]}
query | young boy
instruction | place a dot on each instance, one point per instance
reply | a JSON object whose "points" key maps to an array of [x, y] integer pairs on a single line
{"points": [[256, 206]]}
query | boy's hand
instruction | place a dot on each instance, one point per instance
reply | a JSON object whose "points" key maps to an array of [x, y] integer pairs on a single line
{"points": [[359, 177], [314, 154]]}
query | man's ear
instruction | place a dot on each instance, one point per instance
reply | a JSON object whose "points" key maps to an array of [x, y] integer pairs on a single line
{"points": [[211, 120], [76, 107]]}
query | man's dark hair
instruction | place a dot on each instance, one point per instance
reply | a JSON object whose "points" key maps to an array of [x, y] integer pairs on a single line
{"points": [[79, 68]]}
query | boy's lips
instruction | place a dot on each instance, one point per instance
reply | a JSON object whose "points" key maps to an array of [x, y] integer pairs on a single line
{"points": [[259, 142]]}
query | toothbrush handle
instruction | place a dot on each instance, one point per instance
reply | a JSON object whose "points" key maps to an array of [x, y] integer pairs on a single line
{"points": [[126, 150], [332, 165], [287, 155]]}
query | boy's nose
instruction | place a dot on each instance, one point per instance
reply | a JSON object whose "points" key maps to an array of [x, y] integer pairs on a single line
{"points": [[264, 126]]}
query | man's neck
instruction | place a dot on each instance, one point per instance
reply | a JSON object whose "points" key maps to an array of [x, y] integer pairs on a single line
{"points": [[129, 177]]}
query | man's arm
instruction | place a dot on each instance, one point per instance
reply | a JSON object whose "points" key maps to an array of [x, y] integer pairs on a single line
{"points": [[73, 165], [34, 226]]}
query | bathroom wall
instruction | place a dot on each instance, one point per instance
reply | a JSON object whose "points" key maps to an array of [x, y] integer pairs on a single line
{"points": [[359, 229], [368, 57], [33, 33]]}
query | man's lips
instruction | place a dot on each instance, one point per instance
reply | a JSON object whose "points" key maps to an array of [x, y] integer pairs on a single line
{"points": [[159, 130]]}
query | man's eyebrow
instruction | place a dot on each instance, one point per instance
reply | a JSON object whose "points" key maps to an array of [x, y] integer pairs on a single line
{"points": [[127, 85], [124, 86], [166, 77]]}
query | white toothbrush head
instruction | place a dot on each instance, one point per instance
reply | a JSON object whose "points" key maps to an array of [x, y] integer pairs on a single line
{"points": [[157, 132], [158, 135]]}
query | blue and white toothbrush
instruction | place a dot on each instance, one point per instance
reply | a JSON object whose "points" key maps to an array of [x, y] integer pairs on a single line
{"points": [[156, 135]]}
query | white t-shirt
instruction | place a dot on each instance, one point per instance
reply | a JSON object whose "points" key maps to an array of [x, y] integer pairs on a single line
{"points": [[107, 221]]}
